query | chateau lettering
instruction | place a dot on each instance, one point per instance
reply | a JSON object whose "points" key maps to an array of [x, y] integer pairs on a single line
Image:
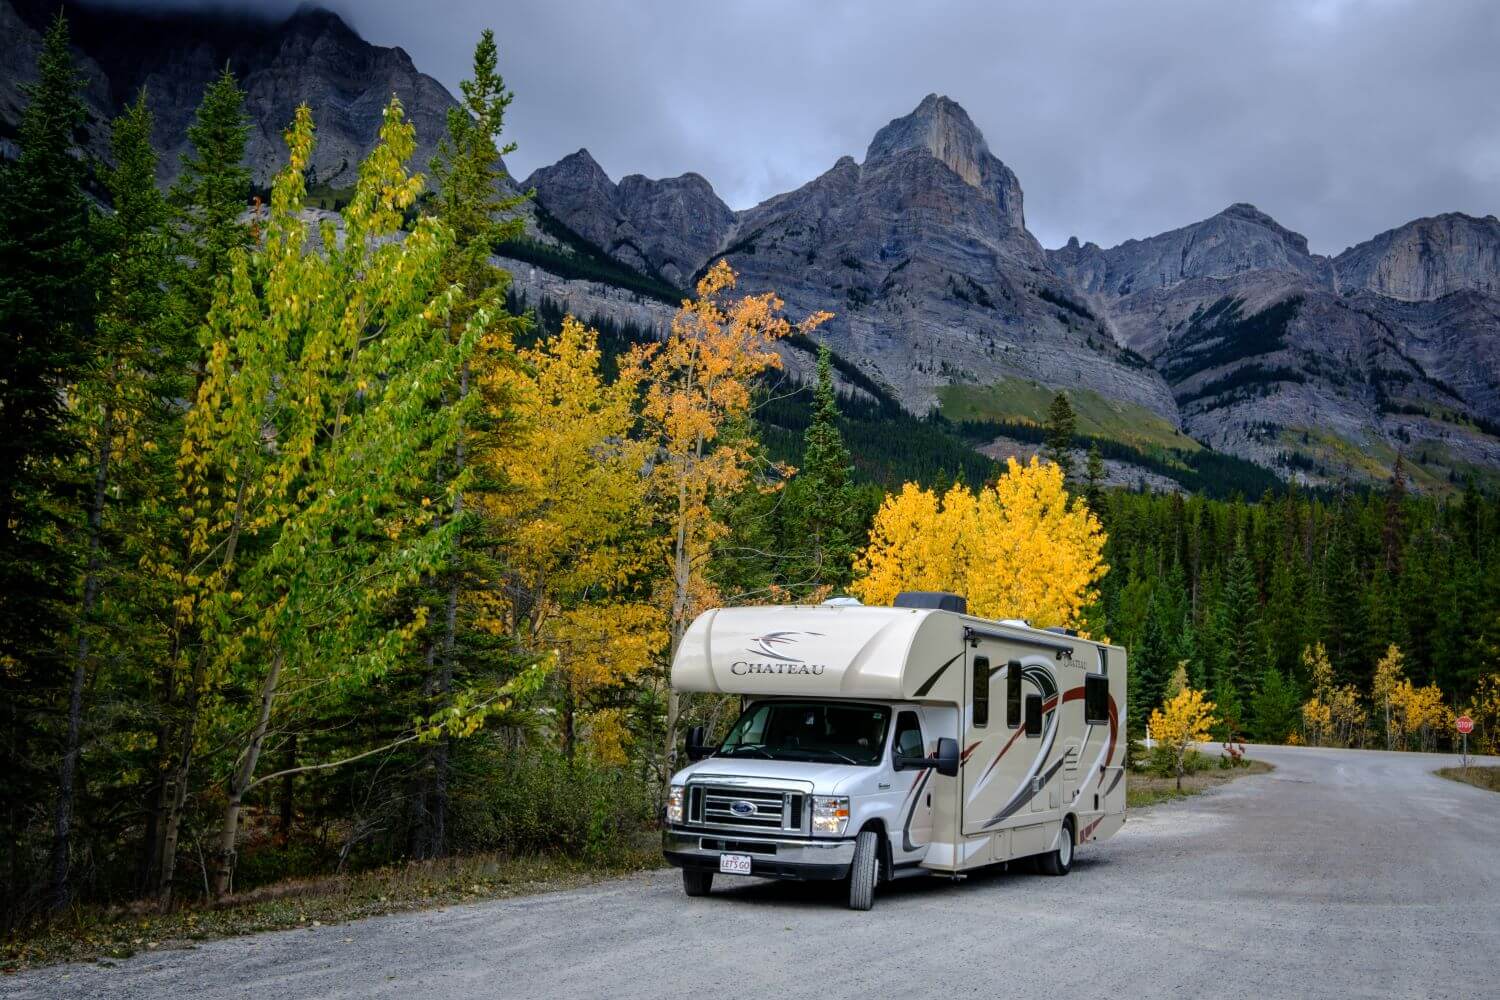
{"points": [[741, 667]]}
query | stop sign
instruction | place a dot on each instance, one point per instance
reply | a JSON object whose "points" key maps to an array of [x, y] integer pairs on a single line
{"points": [[1465, 724]]}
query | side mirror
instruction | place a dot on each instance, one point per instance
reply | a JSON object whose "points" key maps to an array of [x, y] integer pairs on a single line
{"points": [[945, 763], [947, 757], [695, 748]]}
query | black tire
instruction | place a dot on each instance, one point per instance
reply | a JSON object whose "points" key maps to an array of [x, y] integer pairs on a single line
{"points": [[1060, 861], [697, 882], [865, 870]]}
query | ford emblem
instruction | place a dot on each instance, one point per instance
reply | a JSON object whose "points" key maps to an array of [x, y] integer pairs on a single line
{"points": [[742, 808]]}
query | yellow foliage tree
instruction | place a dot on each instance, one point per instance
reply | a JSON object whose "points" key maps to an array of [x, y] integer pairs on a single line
{"points": [[1388, 675], [1333, 715], [1020, 548], [1185, 719], [697, 387], [571, 507], [1419, 714], [1485, 711]]}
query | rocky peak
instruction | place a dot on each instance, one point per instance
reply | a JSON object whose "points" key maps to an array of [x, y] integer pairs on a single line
{"points": [[940, 128], [1426, 259], [1245, 212]]}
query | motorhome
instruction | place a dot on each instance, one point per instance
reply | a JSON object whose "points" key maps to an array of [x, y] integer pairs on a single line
{"points": [[880, 742]]}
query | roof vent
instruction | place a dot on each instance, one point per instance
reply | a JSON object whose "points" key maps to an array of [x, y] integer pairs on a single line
{"points": [[934, 600], [842, 602], [1060, 630]]}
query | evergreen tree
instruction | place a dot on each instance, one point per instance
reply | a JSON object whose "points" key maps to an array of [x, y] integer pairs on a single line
{"points": [[1151, 663], [1241, 630], [125, 411], [825, 514], [1094, 477], [46, 305], [470, 202], [211, 193], [1060, 428], [1275, 708]]}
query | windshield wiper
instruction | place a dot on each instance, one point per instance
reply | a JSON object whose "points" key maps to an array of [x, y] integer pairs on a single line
{"points": [[757, 747], [837, 753]]}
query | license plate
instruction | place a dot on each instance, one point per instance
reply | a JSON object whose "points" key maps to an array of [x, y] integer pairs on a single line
{"points": [[734, 864]]}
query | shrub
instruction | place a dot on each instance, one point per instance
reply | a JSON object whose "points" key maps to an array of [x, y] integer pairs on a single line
{"points": [[533, 801]]}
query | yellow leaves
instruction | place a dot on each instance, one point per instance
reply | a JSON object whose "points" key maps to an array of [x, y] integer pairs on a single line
{"points": [[1334, 713], [1018, 549], [1184, 719]]}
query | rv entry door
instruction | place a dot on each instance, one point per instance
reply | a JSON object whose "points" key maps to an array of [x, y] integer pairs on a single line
{"points": [[916, 833]]}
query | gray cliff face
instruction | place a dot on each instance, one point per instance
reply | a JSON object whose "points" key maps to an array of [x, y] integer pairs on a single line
{"points": [[1426, 259], [1269, 361], [311, 57], [664, 228]]}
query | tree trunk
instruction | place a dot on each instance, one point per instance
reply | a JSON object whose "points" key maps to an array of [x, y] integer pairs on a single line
{"points": [[284, 807], [681, 581], [1179, 773], [62, 821], [242, 781]]}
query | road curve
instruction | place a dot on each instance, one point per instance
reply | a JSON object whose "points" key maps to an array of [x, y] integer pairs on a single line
{"points": [[1347, 873]]}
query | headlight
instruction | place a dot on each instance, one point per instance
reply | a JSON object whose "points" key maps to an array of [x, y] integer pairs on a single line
{"points": [[830, 814], [674, 804]]}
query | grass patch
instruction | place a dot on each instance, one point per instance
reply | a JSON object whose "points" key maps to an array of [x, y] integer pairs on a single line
{"points": [[1143, 790], [1017, 399], [1487, 777], [90, 933]]}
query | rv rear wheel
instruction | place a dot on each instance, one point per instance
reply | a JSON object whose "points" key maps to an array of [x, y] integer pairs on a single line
{"points": [[1060, 861], [696, 882], [864, 871]]}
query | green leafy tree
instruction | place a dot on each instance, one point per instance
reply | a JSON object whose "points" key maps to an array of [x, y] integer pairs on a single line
{"points": [[1060, 428], [338, 361]]}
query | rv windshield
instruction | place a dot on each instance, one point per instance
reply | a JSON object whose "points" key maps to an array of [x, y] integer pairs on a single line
{"points": [[838, 732]]}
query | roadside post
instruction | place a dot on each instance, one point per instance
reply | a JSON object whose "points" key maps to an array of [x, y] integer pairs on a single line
{"points": [[1465, 727]]}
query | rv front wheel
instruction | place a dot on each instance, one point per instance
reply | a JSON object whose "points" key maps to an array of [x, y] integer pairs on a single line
{"points": [[864, 870], [1060, 861], [696, 882]]}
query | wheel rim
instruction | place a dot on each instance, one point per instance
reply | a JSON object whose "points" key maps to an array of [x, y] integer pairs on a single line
{"points": [[1065, 849]]}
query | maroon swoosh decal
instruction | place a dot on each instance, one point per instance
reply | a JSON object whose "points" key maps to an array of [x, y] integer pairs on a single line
{"points": [[1047, 706]]}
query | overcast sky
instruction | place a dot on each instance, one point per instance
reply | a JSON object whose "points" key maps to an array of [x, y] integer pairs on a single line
{"points": [[1340, 118]]}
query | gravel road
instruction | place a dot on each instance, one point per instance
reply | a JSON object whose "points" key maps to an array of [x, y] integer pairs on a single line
{"points": [[1342, 873]]}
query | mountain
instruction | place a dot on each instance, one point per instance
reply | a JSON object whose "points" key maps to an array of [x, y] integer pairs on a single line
{"points": [[921, 252], [311, 56], [1319, 368], [1227, 333]]}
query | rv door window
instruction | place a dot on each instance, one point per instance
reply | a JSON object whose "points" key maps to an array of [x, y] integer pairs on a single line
{"points": [[909, 742], [981, 690], [1013, 694], [1095, 699], [1033, 715]]}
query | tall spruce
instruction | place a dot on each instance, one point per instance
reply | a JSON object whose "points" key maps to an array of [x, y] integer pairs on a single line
{"points": [[212, 192], [46, 306], [827, 516], [472, 203], [1060, 428], [1094, 478], [122, 411]]}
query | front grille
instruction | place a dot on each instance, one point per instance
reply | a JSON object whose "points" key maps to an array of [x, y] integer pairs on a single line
{"points": [[737, 846], [765, 809]]}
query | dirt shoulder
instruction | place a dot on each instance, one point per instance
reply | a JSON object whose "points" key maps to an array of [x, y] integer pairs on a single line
{"points": [[116, 933], [1143, 790]]}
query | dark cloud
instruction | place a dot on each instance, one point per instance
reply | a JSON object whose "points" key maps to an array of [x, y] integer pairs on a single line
{"points": [[1341, 118]]}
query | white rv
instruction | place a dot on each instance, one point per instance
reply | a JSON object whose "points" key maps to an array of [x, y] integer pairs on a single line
{"points": [[876, 743]]}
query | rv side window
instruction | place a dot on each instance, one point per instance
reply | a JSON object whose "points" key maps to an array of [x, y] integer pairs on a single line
{"points": [[981, 690], [1033, 715], [1013, 694], [1095, 699], [909, 736]]}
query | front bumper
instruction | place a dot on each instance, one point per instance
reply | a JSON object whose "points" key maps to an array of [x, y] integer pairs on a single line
{"points": [[770, 857]]}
